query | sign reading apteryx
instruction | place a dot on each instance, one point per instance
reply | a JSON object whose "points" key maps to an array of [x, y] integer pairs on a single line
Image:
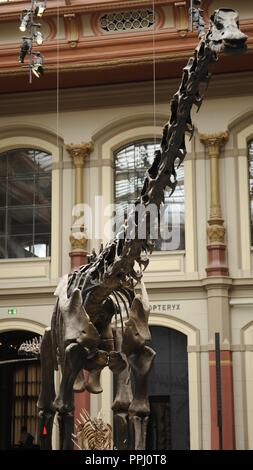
{"points": [[164, 307]]}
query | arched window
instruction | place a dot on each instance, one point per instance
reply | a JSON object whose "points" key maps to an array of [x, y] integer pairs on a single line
{"points": [[250, 156], [131, 163], [25, 203]]}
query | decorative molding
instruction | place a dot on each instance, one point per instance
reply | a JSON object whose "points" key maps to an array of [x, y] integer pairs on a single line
{"points": [[98, 162], [223, 362], [127, 20], [93, 97], [78, 240], [29, 130], [216, 233], [22, 324], [71, 22], [94, 51], [10, 9], [169, 50], [214, 142], [204, 348], [241, 347], [244, 302], [182, 17], [79, 152]]}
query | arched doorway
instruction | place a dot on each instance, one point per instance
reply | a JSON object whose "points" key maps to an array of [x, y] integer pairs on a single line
{"points": [[169, 423], [168, 391], [19, 389]]}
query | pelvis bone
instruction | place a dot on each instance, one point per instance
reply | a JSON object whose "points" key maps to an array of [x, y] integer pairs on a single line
{"points": [[78, 326]]}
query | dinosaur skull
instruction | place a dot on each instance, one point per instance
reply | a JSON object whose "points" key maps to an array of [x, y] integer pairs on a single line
{"points": [[225, 33]]}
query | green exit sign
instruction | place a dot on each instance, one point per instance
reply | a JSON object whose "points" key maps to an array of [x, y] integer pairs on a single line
{"points": [[12, 311]]}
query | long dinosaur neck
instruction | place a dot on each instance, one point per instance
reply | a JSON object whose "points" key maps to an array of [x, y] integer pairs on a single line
{"points": [[114, 267], [121, 254], [162, 173]]}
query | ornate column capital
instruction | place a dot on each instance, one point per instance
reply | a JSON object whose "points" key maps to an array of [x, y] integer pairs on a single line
{"points": [[79, 152], [78, 239], [216, 231], [214, 142]]}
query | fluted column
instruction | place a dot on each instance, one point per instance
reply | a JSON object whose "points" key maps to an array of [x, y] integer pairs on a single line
{"points": [[216, 246], [78, 153]]}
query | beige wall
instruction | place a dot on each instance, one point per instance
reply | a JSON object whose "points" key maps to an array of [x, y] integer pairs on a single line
{"points": [[175, 277], [172, 278], [109, 128]]}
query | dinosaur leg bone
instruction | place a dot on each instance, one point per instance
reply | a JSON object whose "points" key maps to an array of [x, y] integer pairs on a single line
{"points": [[106, 344], [139, 408], [123, 397], [75, 359], [140, 358]]}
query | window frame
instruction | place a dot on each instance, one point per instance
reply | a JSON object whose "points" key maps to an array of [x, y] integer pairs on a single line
{"points": [[250, 143], [145, 141], [23, 134], [34, 206]]}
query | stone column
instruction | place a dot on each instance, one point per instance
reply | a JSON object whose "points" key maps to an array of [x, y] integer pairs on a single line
{"points": [[216, 247], [219, 321], [217, 285], [78, 254]]}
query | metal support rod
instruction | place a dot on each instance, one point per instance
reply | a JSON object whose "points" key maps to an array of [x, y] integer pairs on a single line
{"points": [[30, 67], [218, 387], [191, 25]]}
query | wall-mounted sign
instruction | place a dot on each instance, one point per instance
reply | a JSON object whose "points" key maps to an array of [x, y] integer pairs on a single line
{"points": [[164, 307], [12, 311]]}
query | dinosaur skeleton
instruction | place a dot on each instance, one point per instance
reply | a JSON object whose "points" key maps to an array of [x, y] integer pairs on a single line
{"points": [[30, 348], [81, 334], [92, 434]]}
